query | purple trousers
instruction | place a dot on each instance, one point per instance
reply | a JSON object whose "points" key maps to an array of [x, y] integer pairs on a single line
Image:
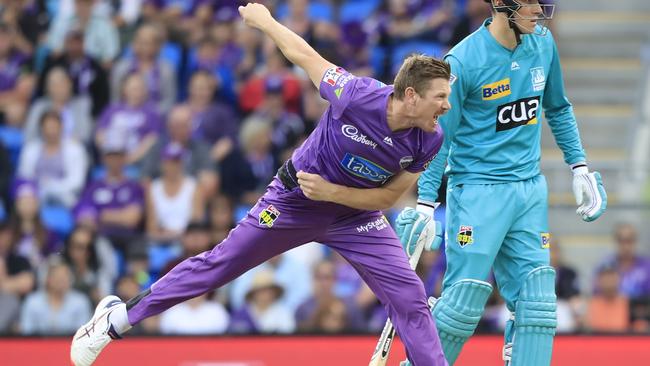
{"points": [[284, 219]]}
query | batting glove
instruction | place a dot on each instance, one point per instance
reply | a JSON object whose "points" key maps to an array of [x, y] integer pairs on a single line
{"points": [[414, 227], [589, 192]]}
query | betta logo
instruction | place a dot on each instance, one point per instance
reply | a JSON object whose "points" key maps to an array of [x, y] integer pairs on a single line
{"points": [[496, 90], [546, 240], [518, 113]]}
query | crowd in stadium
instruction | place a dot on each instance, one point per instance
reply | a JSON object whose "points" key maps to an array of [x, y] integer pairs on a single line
{"points": [[136, 133]]}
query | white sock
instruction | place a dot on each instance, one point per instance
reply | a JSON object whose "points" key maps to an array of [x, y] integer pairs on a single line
{"points": [[120, 320]]}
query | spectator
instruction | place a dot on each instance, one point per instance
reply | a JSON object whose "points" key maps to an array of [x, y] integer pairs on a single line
{"points": [[476, 11], [117, 202], [633, 269], [6, 172], [102, 39], [32, 239], [196, 159], [173, 199], [16, 78], [292, 275], [287, 127], [222, 217], [263, 312], [27, 21], [569, 302], [213, 122], [608, 308], [322, 311], [199, 315], [132, 118], [58, 164], [159, 75], [331, 317], [89, 79], [246, 171], [195, 240], [55, 309], [74, 111], [91, 262], [253, 88], [16, 280]]}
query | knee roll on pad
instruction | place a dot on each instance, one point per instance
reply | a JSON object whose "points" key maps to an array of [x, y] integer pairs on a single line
{"points": [[535, 319], [458, 312]]}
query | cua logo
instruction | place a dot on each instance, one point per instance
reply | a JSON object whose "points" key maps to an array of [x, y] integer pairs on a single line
{"points": [[518, 113]]}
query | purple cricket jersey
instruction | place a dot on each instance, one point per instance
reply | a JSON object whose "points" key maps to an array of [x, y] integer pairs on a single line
{"points": [[100, 195], [353, 145], [133, 123]]}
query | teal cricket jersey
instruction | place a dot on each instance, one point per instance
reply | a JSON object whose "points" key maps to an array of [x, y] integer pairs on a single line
{"points": [[493, 130]]}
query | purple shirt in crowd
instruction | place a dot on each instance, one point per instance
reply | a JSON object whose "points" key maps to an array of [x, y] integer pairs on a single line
{"points": [[635, 282], [133, 123], [100, 195], [353, 145], [11, 70]]}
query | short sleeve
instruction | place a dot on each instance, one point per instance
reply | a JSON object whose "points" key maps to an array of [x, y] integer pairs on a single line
{"points": [[338, 87], [429, 150]]}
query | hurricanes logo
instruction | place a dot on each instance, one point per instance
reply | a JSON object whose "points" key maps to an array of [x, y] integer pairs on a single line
{"points": [[268, 216], [518, 113], [465, 235]]}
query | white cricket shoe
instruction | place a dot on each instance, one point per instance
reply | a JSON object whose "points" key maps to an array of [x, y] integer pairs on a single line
{"points": [[92, 337]]}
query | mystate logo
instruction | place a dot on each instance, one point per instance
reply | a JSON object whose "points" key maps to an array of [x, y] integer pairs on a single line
{"points": [[352, 132]]}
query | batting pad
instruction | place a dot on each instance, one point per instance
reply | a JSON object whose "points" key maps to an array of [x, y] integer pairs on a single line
{"points": [[535, 319]]}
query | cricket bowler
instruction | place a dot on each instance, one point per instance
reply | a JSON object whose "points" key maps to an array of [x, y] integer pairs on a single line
{"points": [[370, 146]]}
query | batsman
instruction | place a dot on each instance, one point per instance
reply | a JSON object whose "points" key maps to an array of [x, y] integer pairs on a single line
{"points": [[503, 76]]}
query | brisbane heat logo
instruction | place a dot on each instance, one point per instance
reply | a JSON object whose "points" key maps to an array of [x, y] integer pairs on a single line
{"points": [[518, 113]]}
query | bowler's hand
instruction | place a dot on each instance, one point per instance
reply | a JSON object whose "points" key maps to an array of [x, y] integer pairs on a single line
{"points": [[255, 15], [315, 187]]}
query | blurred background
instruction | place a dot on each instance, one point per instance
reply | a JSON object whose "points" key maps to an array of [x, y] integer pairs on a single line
{"points": [[134, 134]]}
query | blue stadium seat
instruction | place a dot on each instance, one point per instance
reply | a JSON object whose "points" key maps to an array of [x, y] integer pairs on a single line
{"points": [[99, 172], [357, 10], [12, 139], [400, 52], [57, 218], [317, 11], [160, 255], [240, 212]]}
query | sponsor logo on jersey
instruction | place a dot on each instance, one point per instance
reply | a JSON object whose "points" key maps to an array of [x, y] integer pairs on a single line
{"points": [[546, 240], [364, 168], [332, 75], [352, 133], [268, 216], [465, 235], [405, 161], [452, 79], [496, 90], [518, 113], [514, 66], [538, 78], [378, 224], [388, 140], [338, 93]]}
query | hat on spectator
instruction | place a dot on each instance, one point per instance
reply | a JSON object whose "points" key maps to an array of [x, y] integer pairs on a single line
{"points": [[274, 84], [24, 188], [264, 280], [173, 151]]}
